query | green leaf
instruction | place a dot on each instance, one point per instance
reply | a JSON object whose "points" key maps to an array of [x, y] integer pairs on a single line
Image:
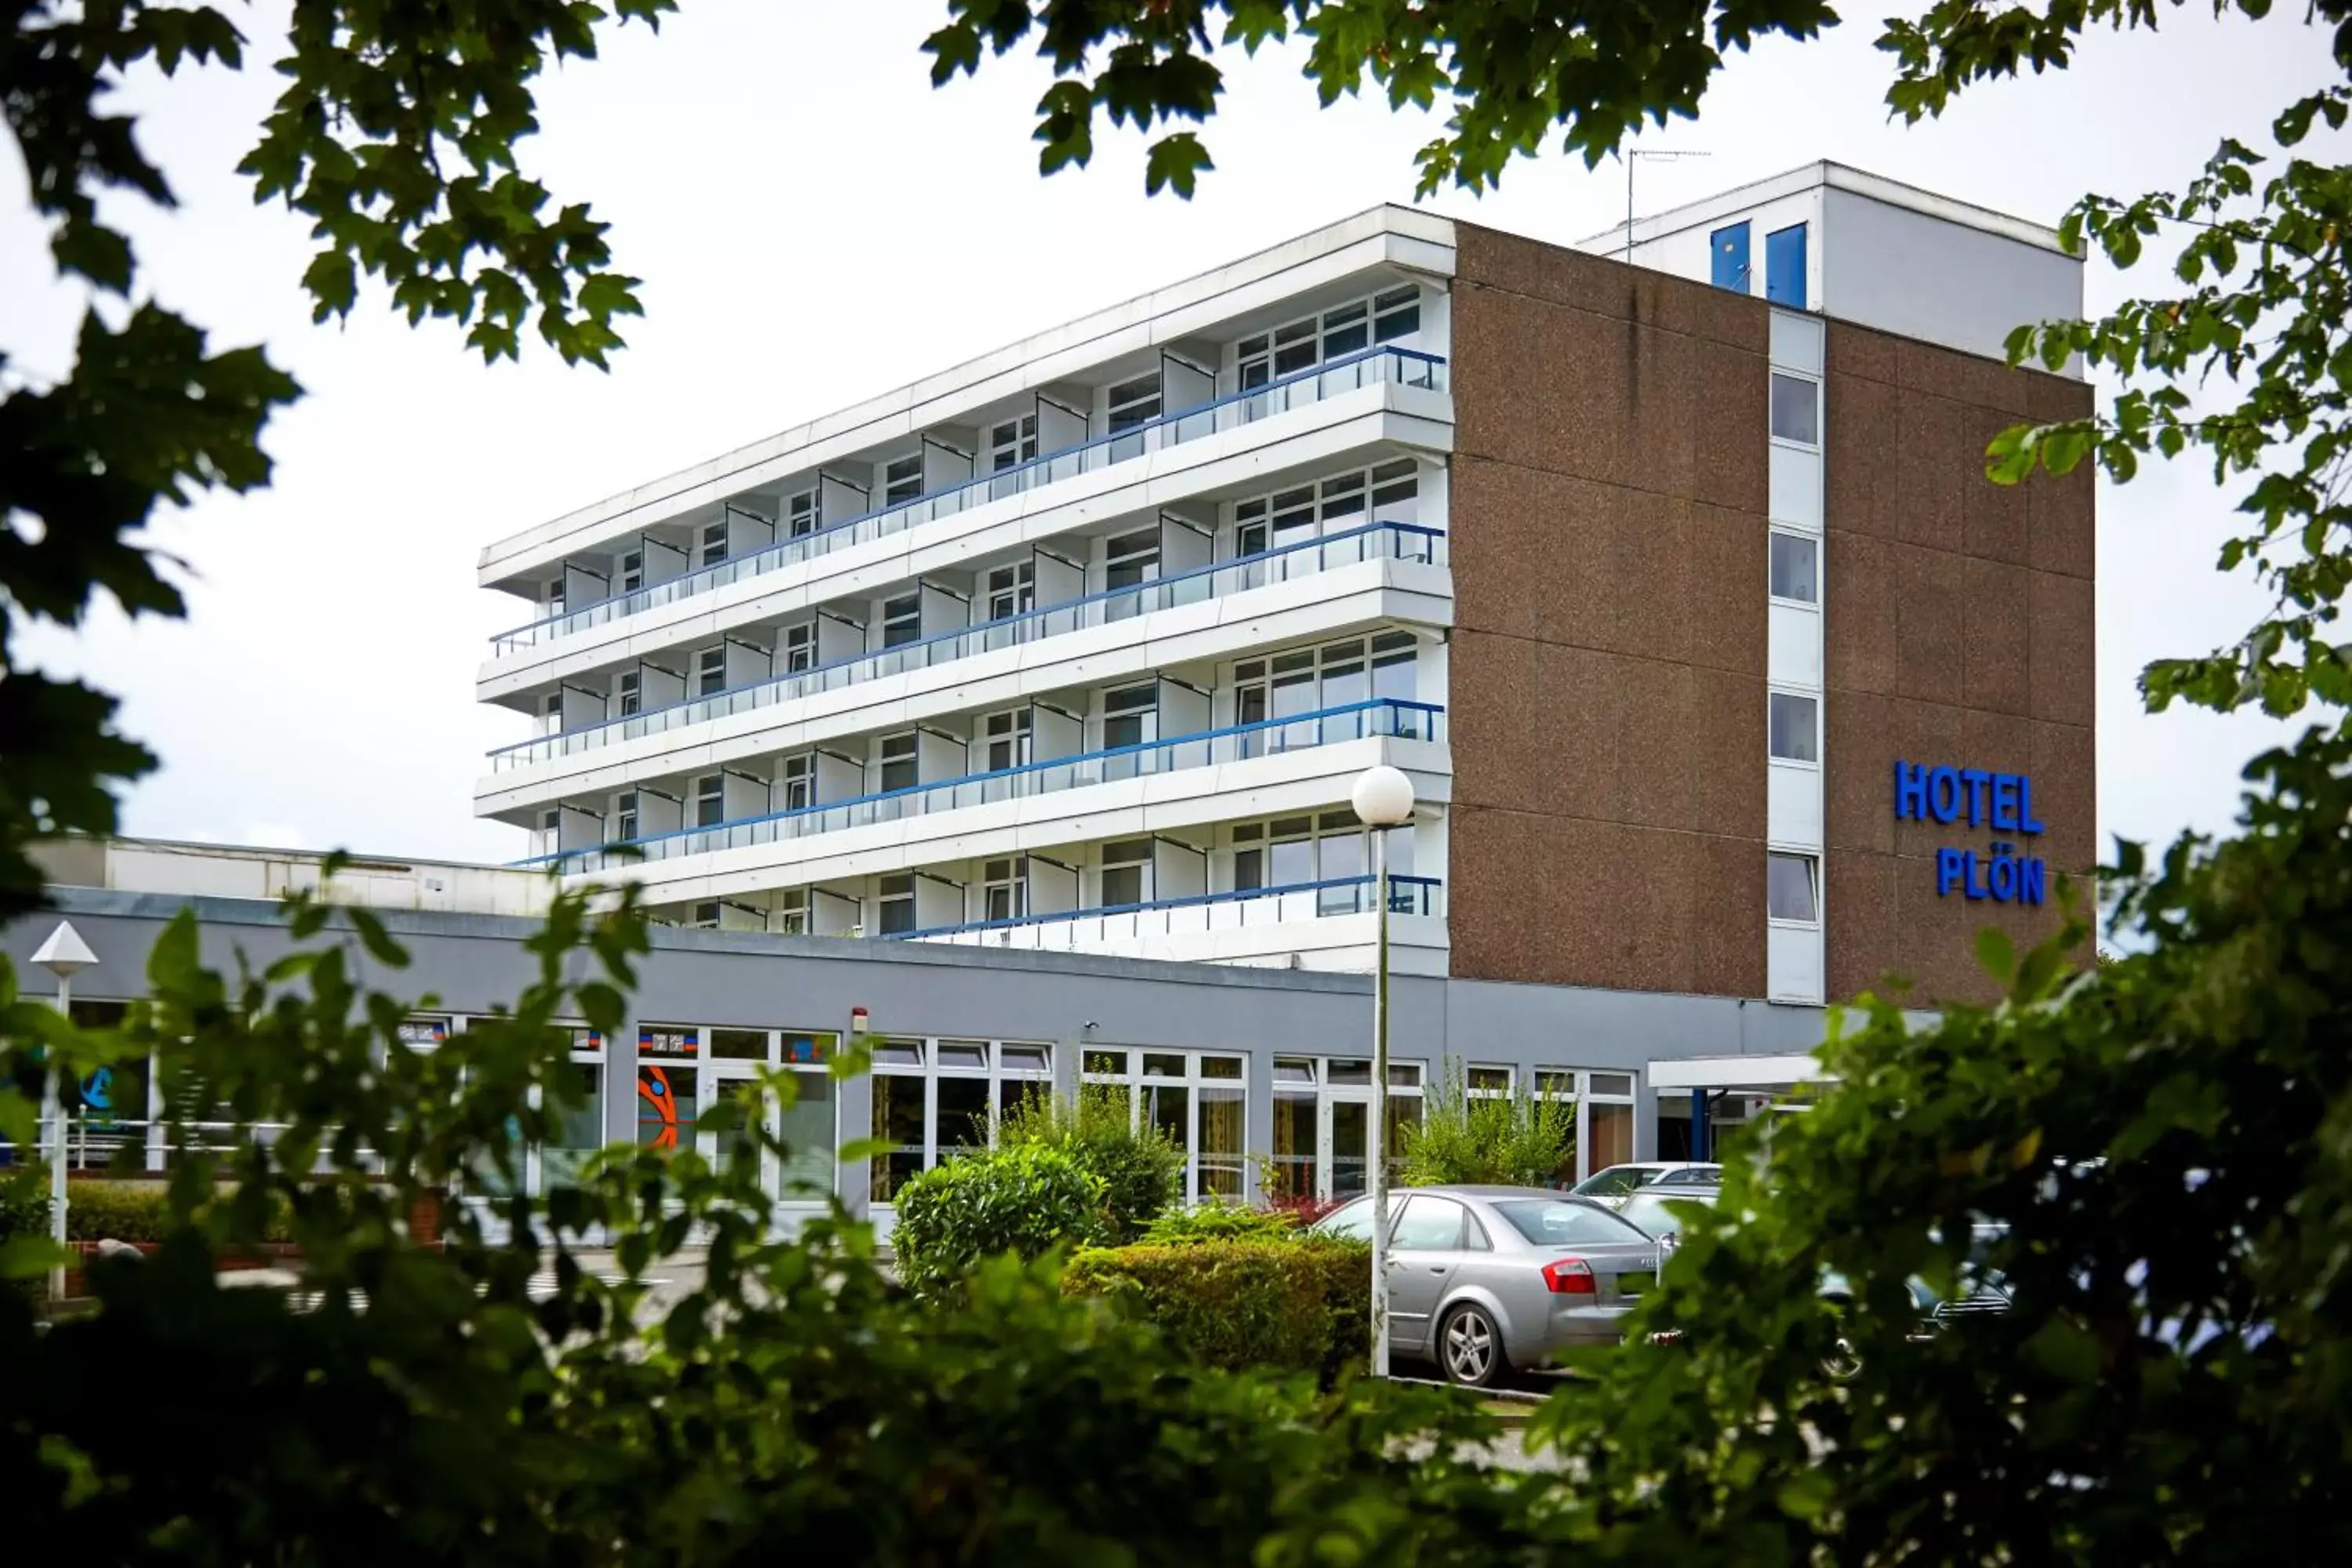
{"points": [[1995, 955]]}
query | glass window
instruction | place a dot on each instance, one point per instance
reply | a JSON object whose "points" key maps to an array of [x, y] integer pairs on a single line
{"points": [[1796, 571], [740, 1045], [1790, 888], [1396, 314], [714, 543], [1352, 1221], [629, 687], [580, 1125], [1796, 409], [1134, 403], [1795, 727], [964, 1120], [1290, 1170], [1130, 716], [625, 817], [902, 619], [897, 905], [1008, 737], [709, 800], [798, 777], [1012, 590], [666, 1104], [711, 672], [898, 762], [799, 647], [1013, 443], [899, 1122], [1218, 1147], [1125, 874], [808, 1130], [1562, 1222], [633, 571], [1427, 1224], [1132, 559], [801, 514], [902, 478]]}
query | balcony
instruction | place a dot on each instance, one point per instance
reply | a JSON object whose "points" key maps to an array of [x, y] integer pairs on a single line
{"points": [[1386, 541], [1406, 367], [1384, 716], [1255, 923]]}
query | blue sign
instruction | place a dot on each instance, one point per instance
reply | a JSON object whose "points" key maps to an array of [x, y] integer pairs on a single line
{"points": [[1980, 797]]}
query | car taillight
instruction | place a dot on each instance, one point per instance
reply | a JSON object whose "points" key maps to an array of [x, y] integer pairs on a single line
{"points": [[1568, 1276]]}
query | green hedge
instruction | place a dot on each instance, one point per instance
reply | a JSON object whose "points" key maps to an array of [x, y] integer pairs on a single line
{"points": [[1288, 1305], [1025, 1201], [127, 1211], [1219, 1221]]}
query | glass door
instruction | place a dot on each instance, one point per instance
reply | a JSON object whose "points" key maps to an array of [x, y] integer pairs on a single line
{"points": [[1347, 1144], [733, 1080]]}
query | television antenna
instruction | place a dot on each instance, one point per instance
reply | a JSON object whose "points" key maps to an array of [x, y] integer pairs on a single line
{"points": [[1632, 154]]}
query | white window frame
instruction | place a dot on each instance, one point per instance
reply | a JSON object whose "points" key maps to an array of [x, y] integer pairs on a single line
{"points": [[902, 614], [1012, 590], [1012, 442], [896, 477], [1811, 861], [803, 514], [711, 789], [1592, 1087], [1810, 541], [711, 541], [1223, 1074], [891, 750], [1793, 694], [996, 1072], [1123, 413]]}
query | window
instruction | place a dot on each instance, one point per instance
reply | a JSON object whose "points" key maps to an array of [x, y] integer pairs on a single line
{"points": [[789, 916], [551, 821], [625, 817], [1796, 409], [1293, 851], [705, 917], [1004, 891], [1560, 1222], [1795, 727], [1012, 590], [630, 689], [1130, 559], [896, 905], [1013, 443], [1727, 259], [1791, 887], [1329, 506], [902, 619], [550, 708], [797, 777], [633, 571], [798, 646], [1197, 1098], [1362, 669], [1007, 735], [1784, 267], [902, 478], [898, 768], [1343, 329], [714, 542], [801, 514], [1131, 716], [711, 671], [1605, 1118], [1134, 403], [1427, 1224], [1487, 1083], [933, 1099], [1126, 873], [555, 596], [709, 800], [1796, 568]]}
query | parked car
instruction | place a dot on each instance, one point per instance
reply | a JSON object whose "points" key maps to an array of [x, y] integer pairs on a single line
{"points": [[1981, 1289], [1613, 1186], [1483, 1279]]}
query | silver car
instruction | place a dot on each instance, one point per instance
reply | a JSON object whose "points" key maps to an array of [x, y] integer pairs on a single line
{"points": [[1485, 1279]]}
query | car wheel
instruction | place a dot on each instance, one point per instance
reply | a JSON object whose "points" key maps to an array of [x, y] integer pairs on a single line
{"points": [[1470, 1348]]}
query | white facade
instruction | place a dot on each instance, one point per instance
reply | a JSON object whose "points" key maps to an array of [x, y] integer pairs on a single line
{"points": [[1859, 248], [1077, 646]]}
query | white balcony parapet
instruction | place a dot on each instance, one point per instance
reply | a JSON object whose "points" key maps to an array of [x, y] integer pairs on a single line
{"points": [[1387, 716], [1380, 541], [1408, 367]]}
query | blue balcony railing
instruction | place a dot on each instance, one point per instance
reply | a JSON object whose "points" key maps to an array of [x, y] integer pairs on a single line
{"points": [[1407, 367], [1203, 911], [1380, 541], [1386, 716]]}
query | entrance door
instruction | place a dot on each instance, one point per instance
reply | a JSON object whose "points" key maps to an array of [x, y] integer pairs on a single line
{"points": [[1346, 1140], [724, 1079]]}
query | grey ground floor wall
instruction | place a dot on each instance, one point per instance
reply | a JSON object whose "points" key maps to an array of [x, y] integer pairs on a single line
{"points": [[468, 963]]}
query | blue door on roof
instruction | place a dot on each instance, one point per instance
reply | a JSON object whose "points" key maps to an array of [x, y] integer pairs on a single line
{"points": [[1784, 267], [1728, 248]]}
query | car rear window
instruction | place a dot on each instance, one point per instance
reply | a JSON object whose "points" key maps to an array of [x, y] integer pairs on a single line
{"points": [[1648, 1210], [1610, 1182], [1553, 1222]]}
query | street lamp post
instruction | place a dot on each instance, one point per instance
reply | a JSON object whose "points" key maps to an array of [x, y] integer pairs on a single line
{"points": [[64, 955], [1384, 799]]}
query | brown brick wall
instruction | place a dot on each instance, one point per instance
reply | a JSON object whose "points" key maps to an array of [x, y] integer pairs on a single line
{"points": [[1959, 624], [1607, 670], [1608, 521]]}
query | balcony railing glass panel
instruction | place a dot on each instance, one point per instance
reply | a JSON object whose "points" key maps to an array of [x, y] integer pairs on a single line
{"points": [[1384, 540], [1407, 367], [1386, 717], [1201, 912]]}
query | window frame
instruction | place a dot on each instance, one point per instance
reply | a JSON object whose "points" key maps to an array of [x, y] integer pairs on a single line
{"points": [[1775, 698], [1772, 574], [1811, 865]]}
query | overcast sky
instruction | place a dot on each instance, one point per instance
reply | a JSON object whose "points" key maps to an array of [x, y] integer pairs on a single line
{"points": [[815, 225]]}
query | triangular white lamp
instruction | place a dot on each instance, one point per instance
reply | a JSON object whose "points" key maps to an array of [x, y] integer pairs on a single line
{"points": [[65, 956]]}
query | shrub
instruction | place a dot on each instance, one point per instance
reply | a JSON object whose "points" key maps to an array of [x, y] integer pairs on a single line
{"points": [[1024, 1200], [1291, 1305], [1141, 1168], [133, 1211], [1221, 1222], [24, 1209], [1515, 1139]]}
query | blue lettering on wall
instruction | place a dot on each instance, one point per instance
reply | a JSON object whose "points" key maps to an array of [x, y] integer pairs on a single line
{"points": [[1979, 797]]}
